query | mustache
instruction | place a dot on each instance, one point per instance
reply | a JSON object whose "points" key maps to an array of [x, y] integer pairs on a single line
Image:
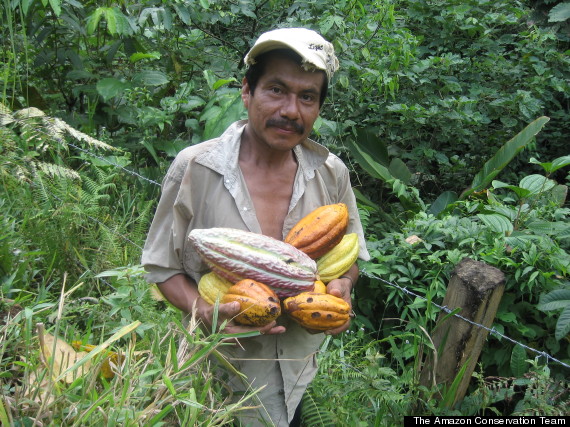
{"points": [[286, 124]]}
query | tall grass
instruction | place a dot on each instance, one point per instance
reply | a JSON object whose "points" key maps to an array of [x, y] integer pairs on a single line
{"points": [[165, 374]]}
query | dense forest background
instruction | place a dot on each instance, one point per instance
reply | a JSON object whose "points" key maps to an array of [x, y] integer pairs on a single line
{"points": [[453, 117]]}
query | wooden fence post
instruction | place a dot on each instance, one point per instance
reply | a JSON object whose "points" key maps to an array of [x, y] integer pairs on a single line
{"points": [[476, 288]]}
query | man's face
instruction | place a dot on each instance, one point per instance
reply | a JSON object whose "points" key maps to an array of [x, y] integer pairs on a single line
{"points": [[285, 104]]}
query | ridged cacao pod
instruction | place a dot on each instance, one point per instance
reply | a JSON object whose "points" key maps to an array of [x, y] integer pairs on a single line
{"points": [[319, 231], [211, 287], [258, 303], [339, 259], [317, 311], [236, 255]]}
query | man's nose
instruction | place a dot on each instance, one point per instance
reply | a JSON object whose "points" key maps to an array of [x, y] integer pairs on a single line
{"points": [[290, 107]]}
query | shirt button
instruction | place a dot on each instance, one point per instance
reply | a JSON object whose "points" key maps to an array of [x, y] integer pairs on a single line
{"points": [[281, 391], [244, 208]]}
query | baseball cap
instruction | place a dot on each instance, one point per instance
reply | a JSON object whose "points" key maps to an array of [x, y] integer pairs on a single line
{"points": [[316, 52]]}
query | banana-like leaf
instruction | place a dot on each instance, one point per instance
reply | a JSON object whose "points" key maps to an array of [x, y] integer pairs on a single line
{"points": [[503, 157]]}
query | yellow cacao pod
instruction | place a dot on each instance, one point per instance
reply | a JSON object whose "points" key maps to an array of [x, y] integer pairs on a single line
{"points": [[259, 305], [339, 259], [317, 311], [319, 231], [211, 287], [111, 357], [320, 287]]}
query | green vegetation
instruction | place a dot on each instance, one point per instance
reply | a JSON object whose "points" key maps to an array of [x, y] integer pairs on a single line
{"points": [[452, 115]]}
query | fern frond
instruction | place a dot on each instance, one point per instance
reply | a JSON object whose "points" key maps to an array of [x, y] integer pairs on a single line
{"points": [[314, 415], [6, 116], [59, 127], [56, 171], [27, 113]]}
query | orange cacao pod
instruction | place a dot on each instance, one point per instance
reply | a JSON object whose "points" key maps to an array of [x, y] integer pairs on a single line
{"points": [[317, 311], [259, 305], [319, 231]]}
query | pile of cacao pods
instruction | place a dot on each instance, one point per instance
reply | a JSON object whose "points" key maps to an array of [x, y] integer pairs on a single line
{"points": [[261, 272]]}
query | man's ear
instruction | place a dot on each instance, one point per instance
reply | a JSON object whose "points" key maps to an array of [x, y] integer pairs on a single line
{"points": [[245, 92]]}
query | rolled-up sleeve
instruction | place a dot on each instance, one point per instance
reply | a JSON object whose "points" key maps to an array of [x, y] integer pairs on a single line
{"points": [[162, 252]]}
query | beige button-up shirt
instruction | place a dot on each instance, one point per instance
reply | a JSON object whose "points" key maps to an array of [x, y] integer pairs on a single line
{"points": [[205, 188]]}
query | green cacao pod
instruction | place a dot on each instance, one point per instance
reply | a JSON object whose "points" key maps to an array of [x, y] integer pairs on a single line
{"points": [[339, 259], [211, 287]]}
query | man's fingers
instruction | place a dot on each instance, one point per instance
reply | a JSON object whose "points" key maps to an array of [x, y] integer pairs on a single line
{"points": [[229, 310]]}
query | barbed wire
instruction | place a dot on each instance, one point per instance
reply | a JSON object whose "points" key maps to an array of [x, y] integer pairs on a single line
{"points": [[363, 272], [83, 150], [448, 310]]}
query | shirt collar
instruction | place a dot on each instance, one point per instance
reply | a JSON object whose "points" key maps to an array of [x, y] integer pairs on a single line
{"points": [[223, 157]]}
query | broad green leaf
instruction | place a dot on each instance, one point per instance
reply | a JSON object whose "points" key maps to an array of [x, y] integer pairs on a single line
{"points": [[222, 82], [135, 57], [368, 163], [519, 365], [231, 111], [559, 13], [550, 167], [210, 78], [399, 170], [520, 192], [563, 324], [537, 184], [559, 194], [56, 6], [24, 6], [364, 199], [183, 13], [193, 102], [443, 200], [117, 23], [504, 155], [557, 228], [110, 87], [150, 78], [93, 20], [555, 300], [80, 75], [497, 223], [520, 240], [368, 140]]}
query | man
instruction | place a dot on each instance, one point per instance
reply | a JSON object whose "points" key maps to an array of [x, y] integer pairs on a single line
{"points": [[262, 175]]}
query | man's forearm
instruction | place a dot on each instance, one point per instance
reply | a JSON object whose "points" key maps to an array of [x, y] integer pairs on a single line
{"points": [[180, 291]]}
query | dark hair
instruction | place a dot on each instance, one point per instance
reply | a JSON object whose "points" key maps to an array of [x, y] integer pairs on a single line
{"points": [[255, 71]]}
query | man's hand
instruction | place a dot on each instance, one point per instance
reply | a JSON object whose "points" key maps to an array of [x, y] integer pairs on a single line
{"points": [[205, 312], [182, 292]]}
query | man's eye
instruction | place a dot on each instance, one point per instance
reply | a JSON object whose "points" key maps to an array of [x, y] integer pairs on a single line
{"points": [[276, 90]]}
